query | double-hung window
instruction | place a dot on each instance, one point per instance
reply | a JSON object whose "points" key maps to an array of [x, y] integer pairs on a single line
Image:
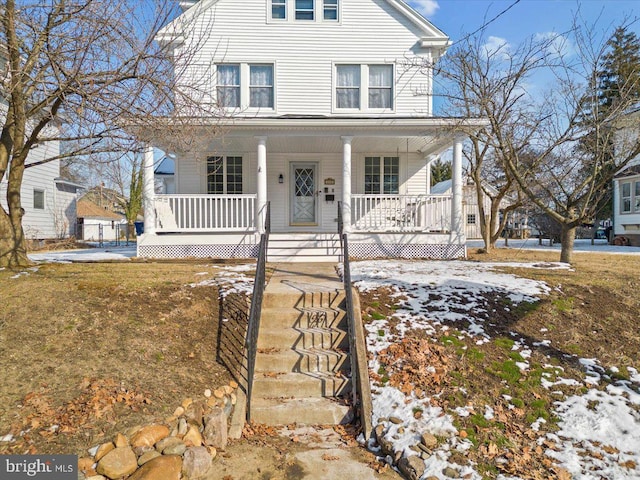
{"points": [[330, 10], [630, 197], [364, 87], [261, 86], [348, 86], [224, 175], [381, 175], [279, 9], [381, 86], [228, 85], [305, 9]]}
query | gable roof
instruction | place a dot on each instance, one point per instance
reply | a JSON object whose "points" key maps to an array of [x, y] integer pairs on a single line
{"points": [[88, 209], [433, 36], [167, 166], [441, 188]]}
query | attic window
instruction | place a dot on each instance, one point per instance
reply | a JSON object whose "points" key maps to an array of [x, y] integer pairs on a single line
{"points": [[279, 9], [305, 9], [331, 9]]}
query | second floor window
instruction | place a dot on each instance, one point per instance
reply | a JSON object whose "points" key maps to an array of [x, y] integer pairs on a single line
{"points": [[261, 86], [304, 9], [224, 175], [228, 86], [380, 86], [348, 86]]}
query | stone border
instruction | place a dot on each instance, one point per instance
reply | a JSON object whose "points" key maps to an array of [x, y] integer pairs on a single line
{"points": [[183, 447]]}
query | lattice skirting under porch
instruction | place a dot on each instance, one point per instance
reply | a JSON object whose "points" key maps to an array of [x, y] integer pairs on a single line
{"points": [[198, 251], [385, 250]]}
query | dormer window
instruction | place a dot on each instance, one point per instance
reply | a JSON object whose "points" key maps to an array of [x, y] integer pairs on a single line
{"points": [[305, 9]]}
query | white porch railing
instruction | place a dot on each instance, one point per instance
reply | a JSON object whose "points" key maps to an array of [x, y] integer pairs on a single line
{"points": [[392, 213], [205, 213]]}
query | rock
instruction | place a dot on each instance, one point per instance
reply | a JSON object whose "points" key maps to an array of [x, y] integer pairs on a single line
{"points": [[227, 390], [183, 426], [401, 430], [233, 384], [212, 402], [142, 450], [176, 449], [195, 412], [385, 445], [165, 467], [193, 438], [120, 441], [196, 462], [412, 467], [212, 451], [178, 411], [85, 464], [395, 420], [218, 393], [432, 478], [103, 450], [149, 436], [423, 449], [132, 431], [428, 440], [118, 463], [207, 393], [148, 456], [234, 398], [450, 472], [215, 429], [186, 402], [167, 442], [96, 477]]}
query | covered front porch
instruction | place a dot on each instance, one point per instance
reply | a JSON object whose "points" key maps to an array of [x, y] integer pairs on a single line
{"points": [[372, 173]]}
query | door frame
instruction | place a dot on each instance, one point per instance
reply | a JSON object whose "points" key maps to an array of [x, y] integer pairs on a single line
{"points": [[292, 186]]}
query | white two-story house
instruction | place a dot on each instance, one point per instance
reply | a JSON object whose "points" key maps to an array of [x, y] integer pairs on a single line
{"points": [[326, 105]]}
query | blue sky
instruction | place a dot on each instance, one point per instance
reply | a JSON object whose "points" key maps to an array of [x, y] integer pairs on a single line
{"points": [[526, 18]]}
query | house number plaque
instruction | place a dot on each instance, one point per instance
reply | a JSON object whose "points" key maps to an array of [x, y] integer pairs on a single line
{"points": [[329, 181]]}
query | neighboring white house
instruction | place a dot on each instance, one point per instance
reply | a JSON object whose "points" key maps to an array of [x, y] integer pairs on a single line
{"points": [[626, 185], [99, 224], [328, 103], [49, 201], [165, 176]]}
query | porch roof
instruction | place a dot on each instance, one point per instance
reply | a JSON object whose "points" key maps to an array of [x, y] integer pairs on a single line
{"points": [[427, 135]]}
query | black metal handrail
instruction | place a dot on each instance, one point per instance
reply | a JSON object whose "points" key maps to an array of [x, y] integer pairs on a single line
{"points": [[256, 307]]}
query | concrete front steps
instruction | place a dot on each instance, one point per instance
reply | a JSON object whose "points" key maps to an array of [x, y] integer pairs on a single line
{"points": [[302, 364], [304, 247]]}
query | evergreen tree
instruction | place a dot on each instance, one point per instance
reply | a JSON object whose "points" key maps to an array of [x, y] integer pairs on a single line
{"points": [[619, 76], [440, 171]]}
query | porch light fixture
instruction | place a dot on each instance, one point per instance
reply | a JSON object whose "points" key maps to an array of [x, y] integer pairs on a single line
{"points": [[280, 178]]}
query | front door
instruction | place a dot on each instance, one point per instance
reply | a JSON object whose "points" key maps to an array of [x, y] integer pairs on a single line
{"points": [[303, 195]]}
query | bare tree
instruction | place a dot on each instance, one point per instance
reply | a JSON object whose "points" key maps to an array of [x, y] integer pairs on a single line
{"points": [[488, 78], [562, 178], [78, 72]]}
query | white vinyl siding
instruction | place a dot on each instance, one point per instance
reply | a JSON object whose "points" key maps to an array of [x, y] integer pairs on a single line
{"points": [[305, 53]]}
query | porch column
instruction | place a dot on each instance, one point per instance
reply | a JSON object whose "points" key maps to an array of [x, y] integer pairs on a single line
{"points": [[148, 192], [346, 183], [261, 203], [457, 226]]}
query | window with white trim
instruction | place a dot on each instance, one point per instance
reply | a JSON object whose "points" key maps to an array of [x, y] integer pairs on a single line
{"points": [[364, 87], [224, 175], [330, 10], [279, 9], [228, 85], [305, 10], [261, 86], [38, 199], [630, 196], [242, 85], [381, 175]]}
